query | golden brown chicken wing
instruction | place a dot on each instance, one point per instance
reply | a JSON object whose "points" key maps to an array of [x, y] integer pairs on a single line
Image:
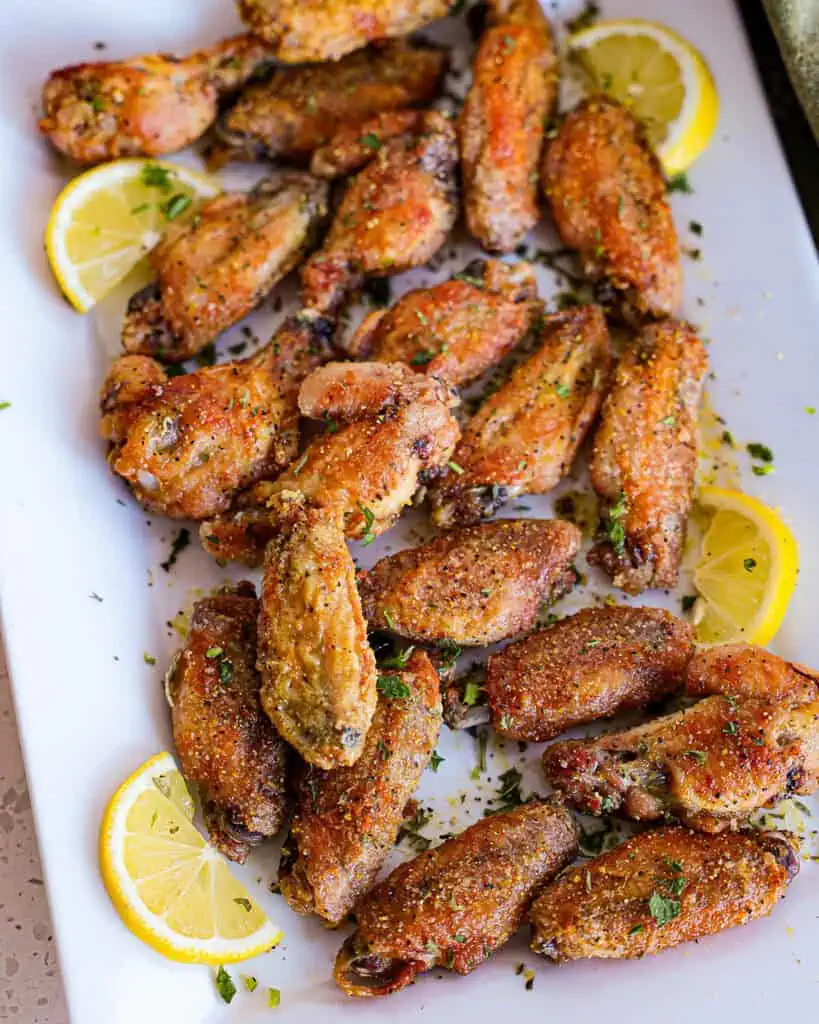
{"points": [[145, 106], [214, 269], [608, 199], [644, 460], [743, 670], [353, 145], [301, 31], [662, 888], [455, 905], [472, 586], [225, 743], [395, 215], [187, 444], [524, 437], [503, 121], [347, 820]]}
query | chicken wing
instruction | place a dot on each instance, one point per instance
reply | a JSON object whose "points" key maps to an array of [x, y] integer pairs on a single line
{"points": [[347, 820], [608, 199], [353, 145], [472, 586], [524, 437], [503, 121], [145, 106], [214, 269], [644, 460], [659, 889], [455, 905], [743, 670], [226, 745], [395, 215], [187, 445], [303, 31], [458, 329]]}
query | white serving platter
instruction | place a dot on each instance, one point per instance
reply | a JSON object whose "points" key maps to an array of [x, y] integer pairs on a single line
{"points": [[91, 709]]}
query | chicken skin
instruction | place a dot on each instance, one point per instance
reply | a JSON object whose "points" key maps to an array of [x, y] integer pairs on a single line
{"points": [[145, 106], [353, 145], [187, 445], [743, 670], [455, 905], [524, 437], [473, 586], [608, 199], [503, 122], [225, 742], [213, 270], [395, 215], [587, 666], [644, 460], [309, 31], [660, 889], [458, 329], [347, 820]]}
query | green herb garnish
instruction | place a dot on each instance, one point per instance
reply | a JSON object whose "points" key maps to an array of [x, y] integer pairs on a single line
{"points": [[176, 205], [663, 909], [393, 687], [224, 985]]}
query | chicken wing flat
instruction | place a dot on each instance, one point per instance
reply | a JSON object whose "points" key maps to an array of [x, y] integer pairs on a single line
{"points": [[458, 329], [608, 199], [644, 460], [395, 215], [187, 445], [455, 905], [225, 742], [524, 437], [353, 145], [145, 106], [503, 121], [472, 586], [212, 270], [660, 889], [305, 31], [743, 670], [347, 820]]}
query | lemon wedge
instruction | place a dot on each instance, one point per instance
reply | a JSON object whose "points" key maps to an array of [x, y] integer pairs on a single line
{"points": [[104, 222], [660, 77], [746, 572], [171, 888]]}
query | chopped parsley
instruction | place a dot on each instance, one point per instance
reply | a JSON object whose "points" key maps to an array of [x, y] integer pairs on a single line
{"points": [[156, 177], [450, 652], [662, 908], [225, 671], [5, 405], [250, 983], [700, 756], [453, 465], [371, 141], [422, 358], [149, 659], [274, 997], [224, 982], [695, 227], [398, 660], [477, 282], [178, 545], [679, 183], [509, 794], [436, 760], [613, 525], [749, 564], [480, 767], [472, 691], [176, 205], [732, 728], [760, 451], [369, 518], [393, 687], [411, 830], [244, 903], [587, 16], [213, 652], [378, 291], [636, 929], [563, 390]]}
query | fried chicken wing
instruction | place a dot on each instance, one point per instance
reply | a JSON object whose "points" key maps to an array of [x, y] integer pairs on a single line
{"points": [[347, 820], [353, 145], [455, 905], [187, 445], [503, 121], [395, 215], [659, 889], [524, 437], [225, 742], [743, 670], [214, 269], [644, 459], [145, 106], [472, 586], [608, 199]]}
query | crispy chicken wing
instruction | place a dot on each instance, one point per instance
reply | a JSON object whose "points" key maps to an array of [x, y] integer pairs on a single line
{"points": [[395, 215], [503, 121], [472, 586], [353, 145], [644, 460], [608, 199], [524, 437], [455, 905], [743, 670], [145, 106], [225, 743], [214, 269], [347, 820], [662, 888]]}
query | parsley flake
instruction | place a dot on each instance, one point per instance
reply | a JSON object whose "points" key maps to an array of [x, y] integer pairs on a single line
{"points": [[224, 983], [393, 687], [663, 909]]}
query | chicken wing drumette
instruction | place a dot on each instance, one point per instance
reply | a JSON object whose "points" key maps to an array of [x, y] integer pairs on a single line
{"points": [[225, 742], [608, 199], [503, 121], [212, 270], [524, 437], [644, 460]]}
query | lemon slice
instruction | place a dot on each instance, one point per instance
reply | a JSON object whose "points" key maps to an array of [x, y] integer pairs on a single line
{"points": [[171, 888], [104, 222], [747, 569], [662, 79]]}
